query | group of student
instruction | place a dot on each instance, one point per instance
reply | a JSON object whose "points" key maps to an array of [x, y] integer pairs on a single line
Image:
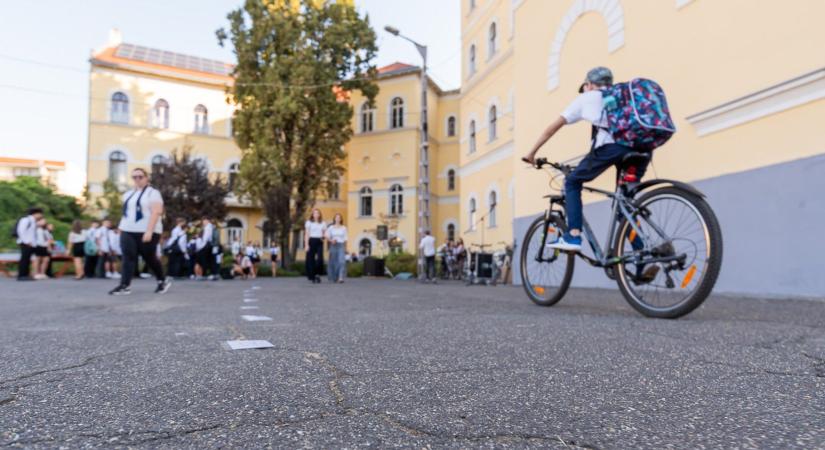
{"points": [[35, 238]]}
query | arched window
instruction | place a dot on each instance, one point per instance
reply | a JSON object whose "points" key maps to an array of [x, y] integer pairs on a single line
{"points": [[120, 108], [492, 200], [234, 168], [451, 232], [234, 231], [451, 126], [201, 120], [491, 40], [367, 118], [472, 136], [365, 247], [160, 114], [472, 214], [366, 202], [118, 168], [158, 163], [397, 113], [451, 180], [472, 62], [493, 121], [396, 200]]}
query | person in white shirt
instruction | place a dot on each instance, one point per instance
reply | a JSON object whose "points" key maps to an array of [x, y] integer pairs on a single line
{"points": [[76, 240], [604, 152], [41, 250], [104, 249], [314, 231], [274, 254], [175, 248], [140, 230], [427, 247], [337, 237], [26, 232], [236, 246], [204, 249]]}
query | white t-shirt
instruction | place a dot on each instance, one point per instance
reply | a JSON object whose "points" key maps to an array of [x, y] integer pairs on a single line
{"points": [[27, 230], [129, 222], [274, 251], [428, 245], [206, 236], [589, 106], [102, 236], [76, 238], [114, 242], [315, 229], [41, 239], [338, 233]]}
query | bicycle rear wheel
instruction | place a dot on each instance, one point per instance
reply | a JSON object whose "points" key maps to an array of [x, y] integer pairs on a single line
{"points": [[545, 279], [669, 289]]}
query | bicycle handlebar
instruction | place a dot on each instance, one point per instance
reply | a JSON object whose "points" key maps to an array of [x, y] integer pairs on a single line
{"points": [[541, 162]]}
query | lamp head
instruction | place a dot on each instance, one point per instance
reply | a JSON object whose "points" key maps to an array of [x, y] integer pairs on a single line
{"points": [[392, 30]]}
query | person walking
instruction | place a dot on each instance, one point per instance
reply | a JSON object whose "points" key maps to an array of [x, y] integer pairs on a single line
{"points": [[337, 238], [314, 230], [140, 228], [26, 234], [427, 247], [76, 240], [274, 254]]}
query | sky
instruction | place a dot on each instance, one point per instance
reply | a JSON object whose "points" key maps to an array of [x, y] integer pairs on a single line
{"points": [[44, 69]]}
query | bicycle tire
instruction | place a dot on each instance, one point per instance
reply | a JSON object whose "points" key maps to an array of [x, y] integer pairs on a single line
{"points": [[713, 234], [529, 287]]}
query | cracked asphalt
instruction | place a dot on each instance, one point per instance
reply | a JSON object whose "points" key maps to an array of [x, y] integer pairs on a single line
{"points": [[378, 363]]}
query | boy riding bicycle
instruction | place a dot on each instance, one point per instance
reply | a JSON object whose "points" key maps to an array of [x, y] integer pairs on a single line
{"points": [[604, 152]]}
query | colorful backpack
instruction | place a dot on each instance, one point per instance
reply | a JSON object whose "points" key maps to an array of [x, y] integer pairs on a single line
{"points": [[637, 114]]}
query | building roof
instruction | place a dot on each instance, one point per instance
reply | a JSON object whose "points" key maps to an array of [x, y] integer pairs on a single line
{"points": [[146, 59], [22, 162], [397, 68]]}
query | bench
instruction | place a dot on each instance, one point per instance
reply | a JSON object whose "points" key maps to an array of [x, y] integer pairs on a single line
{"points": [[5, 263]]}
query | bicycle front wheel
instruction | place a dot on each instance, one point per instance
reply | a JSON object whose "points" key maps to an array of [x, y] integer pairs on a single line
{"points": [[545, 278], [672, 256]]}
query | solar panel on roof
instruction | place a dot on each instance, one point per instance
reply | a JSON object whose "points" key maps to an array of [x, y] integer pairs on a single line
{"points": [[172, 59]]}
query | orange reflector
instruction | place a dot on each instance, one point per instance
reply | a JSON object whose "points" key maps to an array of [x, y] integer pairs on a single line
{"points": [[690, 273], [551, 230], [633, 231], [539, 290]]}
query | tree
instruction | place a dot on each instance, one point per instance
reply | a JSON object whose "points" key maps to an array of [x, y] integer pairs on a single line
{"points": [[187, 189], [110, 203], [297, 61]]}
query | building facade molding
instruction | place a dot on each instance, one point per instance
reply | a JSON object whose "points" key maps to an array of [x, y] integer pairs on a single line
{"points": [[500, 153]]}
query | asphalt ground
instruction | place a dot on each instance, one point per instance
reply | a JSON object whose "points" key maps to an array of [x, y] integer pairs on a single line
{"points": [[380, 363]]}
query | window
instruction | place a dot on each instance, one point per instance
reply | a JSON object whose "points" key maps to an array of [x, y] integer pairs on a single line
{"points": [[472, 136], [118, 168], [201, 120], [397, 113], [234, 168], [269, 236], [367, 118], [451, 180], [160, 114], [158, 163], [120, 108], [234, 231], [472, 214], [451, 126], [335, 191], [472, 67], [366, 202], [365, 247], [491, 41], [492, 216], [493, 121], [451, 232], [396, 200]]}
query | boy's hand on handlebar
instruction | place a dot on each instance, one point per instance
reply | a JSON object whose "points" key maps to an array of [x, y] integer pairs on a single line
{"points": [[529, 159]]}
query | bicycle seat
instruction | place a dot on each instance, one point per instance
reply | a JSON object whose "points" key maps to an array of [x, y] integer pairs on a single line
{"points": [[635, 157]]}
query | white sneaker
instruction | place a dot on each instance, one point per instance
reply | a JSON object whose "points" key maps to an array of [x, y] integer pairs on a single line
{"points": [[108, 274], [145, 275], [567, 243], [115, 275]]}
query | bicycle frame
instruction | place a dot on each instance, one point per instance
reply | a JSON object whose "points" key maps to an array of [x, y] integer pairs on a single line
{"points": [[622, 206]]}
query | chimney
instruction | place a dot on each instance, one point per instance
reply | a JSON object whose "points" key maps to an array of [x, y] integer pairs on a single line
{"points": [[115, 37]]}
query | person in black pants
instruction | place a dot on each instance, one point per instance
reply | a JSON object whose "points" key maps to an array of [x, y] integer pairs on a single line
{"points": [[314, 231], [26, 232], [140, 228]]}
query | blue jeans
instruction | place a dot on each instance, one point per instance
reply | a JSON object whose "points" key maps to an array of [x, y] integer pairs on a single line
{"points": [[337, 263], [593, 165]]}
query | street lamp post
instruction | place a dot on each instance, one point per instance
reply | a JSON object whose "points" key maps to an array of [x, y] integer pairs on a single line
{"points": [[424, 159]]}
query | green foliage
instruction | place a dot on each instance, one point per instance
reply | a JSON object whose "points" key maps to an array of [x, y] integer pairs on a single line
{"points": [[25, 192], [401, 262], [110, 204], [355, 270], [295, 68], [188, 191]]}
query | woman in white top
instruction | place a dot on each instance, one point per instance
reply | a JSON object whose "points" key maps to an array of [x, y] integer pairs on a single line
{"points": [[41, 250], [274, 253], [314, 231], [77, 239], [140, 229], [337, 237]]}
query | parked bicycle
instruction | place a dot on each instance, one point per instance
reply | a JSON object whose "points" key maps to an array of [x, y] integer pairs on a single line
{"points": [[664, 245]]}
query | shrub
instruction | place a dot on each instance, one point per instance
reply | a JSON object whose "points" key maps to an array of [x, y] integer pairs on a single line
{"points": [[355, 269], [401, 262]]}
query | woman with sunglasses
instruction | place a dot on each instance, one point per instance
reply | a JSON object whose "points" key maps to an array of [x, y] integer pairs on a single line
{"points": [[140, 228]]}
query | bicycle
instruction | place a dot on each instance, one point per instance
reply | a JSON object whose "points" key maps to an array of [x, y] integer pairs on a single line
{"points": [[663, 269]]}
